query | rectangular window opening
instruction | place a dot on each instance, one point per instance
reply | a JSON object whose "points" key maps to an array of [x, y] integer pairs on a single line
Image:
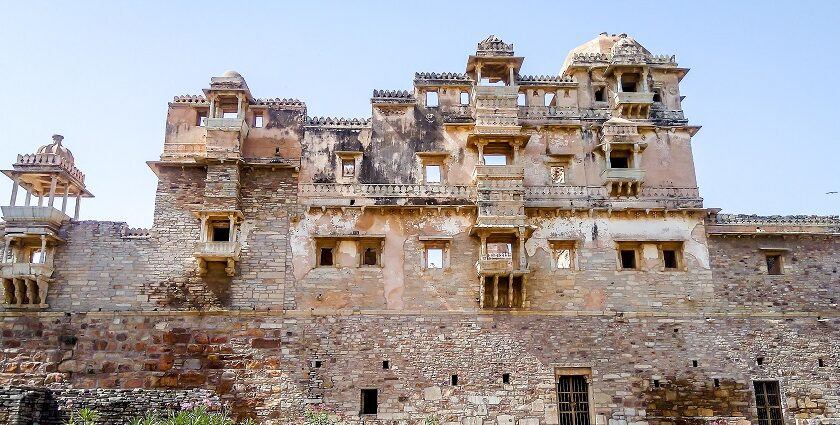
{"points": [[717, 383], [431, 99], [38, 257], [759, 361], [768, 402], [694, 363], [669, 256], [348, 167], [453, 380], [506, 378], [573, 400], [520, 99], [258, 121], [619, 160], [369, 401], [434, 258], [548, 99], [657, 95], [820, 362], [230, 114], [564, 259], [432, 173], [656, 383], [202, 119], [221, 234], [370, 257], [386, 364], [326, 257], [628, 259], [495, 159], [774, 264], [600, 94], [465, 98]]}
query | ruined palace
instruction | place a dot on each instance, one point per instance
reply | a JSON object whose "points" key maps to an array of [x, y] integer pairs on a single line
{"points": [[489, 247]]}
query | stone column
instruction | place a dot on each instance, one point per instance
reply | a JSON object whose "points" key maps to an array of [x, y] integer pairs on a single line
{"points": [[78, 205], [40, 200], [212, 112], [478, 74], [607, 154], [482, 250], [522, 262], [53, 182], [64, 199], [618, 81], [644, 87], [239, 109], [512, 81], [18, 284], [6, 250], [231, 237], [495, 290], [28, 197], [516, 153], [43, 249], [636, 156], [480, 153], [15, 185], [524, 291], [202, 233], [510, 290], [481, 295]]}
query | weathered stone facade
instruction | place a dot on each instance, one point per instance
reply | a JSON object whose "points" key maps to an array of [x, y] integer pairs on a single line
{"points": [[476, 244]]}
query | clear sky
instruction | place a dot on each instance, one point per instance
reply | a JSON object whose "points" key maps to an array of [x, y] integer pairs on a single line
{"points": [[763, 83]]}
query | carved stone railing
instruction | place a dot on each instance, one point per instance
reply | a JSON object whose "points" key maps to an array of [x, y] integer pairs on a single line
{"points": [[16, 270], [497, 91], [499, 171], [658, 114], [798, 220], [633, 98], [184, 149], [487, 265], [623, 174], [588, 196], [229, 124], [33, 214], [495, 103], [386, 190], [548, 112], [217, 250], [50, 159]]}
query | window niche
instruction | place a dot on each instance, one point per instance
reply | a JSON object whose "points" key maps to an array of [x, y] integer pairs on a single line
{"points": [[347, 166], [218, 239], [774, 260], [599, 93], [558, 168], [258, 119], [432, 167], [563, 254], [432, 99], [435, 252], [671, 255], [629, 256], [370, 252], [326, 251]]}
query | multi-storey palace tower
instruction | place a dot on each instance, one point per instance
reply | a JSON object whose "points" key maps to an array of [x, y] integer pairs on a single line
{"points": [[488, 248]]}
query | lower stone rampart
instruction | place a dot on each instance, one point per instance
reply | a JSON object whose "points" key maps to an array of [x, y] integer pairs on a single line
{"points": [[645, 368], [29, 405]]}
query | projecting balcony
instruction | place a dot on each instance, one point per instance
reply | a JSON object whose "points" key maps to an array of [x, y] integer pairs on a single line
{"points": [[227, 252], [547, 113], [33, 215], [633, 105], [499, 172], [496, 91], [31, 270], [623, 181], [228, 124], [495, 264]]}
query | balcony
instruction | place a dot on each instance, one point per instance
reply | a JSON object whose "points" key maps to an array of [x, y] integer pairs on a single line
{"points": [[497, 264], [547, 113], [496, 91], [31, 270], [33, 215], [633, 105], [623, 181], [330, 194], [227, 252], [229, 124], [499, 172]]}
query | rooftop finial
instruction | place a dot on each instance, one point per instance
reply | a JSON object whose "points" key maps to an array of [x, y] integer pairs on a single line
{"points": [[57, 138]]}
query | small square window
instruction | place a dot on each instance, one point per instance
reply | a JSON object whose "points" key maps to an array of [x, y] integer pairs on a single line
{"points": [[230, 114], [465, 98], [221, 234], [434, 258], [506, 378], [348, 167], [628, 259], [38, 256], [431, 99], [258, 121], [558, 174], [432, 173], [369, 401], [386, 364], [325, 257], [669, 256], [619, 160], [564, 259], [202, 119], [520, 99], [774, 264], [370, 257], [600, 94], [453, 380]]}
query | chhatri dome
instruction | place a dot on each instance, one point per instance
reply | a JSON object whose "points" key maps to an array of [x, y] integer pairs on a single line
{"points": [[56, 148]]}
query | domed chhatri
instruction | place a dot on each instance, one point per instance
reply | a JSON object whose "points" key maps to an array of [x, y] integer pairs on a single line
{"points": [[56, 148], [232, 74]]}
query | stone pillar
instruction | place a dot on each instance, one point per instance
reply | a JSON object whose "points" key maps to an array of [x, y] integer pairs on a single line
{"points": [[483, 248], [15, 185], [511, 80], [480, 153], [481, 292], [53, 182], [524, 291], [40, 201], [6, 250], [78, 205], [522, 257], [239, 109], [212, 112], [18, 283], [607, 154], [64, 199], [43, 288], [31, 290], [478, 74], [516, 153], [28, 198], [510, 291], [495, 290], [618, 81], [43, 249], [644, 87], [231, 237], [202, 233]]}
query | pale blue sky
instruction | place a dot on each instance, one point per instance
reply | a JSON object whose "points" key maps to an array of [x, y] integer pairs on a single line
{"points": [[762, 83]]}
